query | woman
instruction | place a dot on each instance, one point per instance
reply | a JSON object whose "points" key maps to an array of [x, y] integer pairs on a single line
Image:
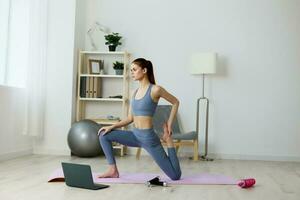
{"points": [[142, 108]]}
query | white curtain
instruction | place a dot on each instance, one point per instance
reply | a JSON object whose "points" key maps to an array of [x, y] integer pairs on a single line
{"points": [[4, 22], [35, 85]]}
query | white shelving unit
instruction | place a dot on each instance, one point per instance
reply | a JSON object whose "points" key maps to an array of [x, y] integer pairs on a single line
{"points": [[101, 99], [110, 85], [102, 76]]}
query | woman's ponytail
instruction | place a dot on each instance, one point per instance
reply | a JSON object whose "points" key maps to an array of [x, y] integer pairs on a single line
{"points": [[143, 63]]}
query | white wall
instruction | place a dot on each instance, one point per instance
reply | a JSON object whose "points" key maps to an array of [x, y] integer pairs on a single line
{"points": [[59, 78], [12, 142], [255, 98]]}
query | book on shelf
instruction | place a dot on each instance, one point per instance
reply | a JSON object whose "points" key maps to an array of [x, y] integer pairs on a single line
{"points": [[91, 88], [82, 92], [97, 87], [87, 88]]}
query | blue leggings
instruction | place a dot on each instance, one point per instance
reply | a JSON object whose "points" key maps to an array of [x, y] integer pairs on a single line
{"points": [[147, 139]]}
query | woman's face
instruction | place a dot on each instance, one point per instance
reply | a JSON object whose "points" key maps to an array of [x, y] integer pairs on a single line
{"points": [[137, 73]]}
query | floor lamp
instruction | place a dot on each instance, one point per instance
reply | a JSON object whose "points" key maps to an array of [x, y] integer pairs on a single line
{"points": [[96, 27], [203, 63]]}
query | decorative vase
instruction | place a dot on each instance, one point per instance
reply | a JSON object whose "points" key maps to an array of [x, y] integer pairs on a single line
{"points": [[112, 47], [119, 71]]}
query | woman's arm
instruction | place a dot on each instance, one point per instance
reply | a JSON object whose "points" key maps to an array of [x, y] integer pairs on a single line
{"points": [[124, 122], [173, 100]]}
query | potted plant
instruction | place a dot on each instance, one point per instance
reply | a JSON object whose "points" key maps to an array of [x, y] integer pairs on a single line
{"points": [[119, 67], [113, 40]]}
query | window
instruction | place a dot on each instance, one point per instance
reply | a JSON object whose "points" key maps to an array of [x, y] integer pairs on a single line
{"points": [[4, 18], [14, 40]]}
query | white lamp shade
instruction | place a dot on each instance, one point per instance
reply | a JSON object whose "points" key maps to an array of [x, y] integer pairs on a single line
{"points": [[203, 63]]}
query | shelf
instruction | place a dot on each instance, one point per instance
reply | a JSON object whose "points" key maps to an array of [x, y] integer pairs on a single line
{"points": [[105, 52], [118, 146], [102, 75], [101, 99], [105, 121]]}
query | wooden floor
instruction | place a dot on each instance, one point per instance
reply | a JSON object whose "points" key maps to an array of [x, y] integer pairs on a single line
{"points": [[26, 178]]}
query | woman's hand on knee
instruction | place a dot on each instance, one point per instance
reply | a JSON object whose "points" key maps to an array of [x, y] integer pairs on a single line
{"points": [[104, 130]]}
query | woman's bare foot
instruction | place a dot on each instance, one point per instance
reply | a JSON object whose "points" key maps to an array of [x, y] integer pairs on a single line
{"points": [[167, 138], [165, 134], [112, 172]]}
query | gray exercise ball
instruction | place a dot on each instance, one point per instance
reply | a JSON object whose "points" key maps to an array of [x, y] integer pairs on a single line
{"points": [[83, 139]]}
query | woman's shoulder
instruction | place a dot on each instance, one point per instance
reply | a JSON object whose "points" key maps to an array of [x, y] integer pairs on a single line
{"points": [[156, 89]]}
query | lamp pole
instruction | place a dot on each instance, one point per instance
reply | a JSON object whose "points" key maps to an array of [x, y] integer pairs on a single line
{"points": [[203, 157]]}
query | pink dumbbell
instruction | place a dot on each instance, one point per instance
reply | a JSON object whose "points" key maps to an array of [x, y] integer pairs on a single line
{"points": [[246, 183]]}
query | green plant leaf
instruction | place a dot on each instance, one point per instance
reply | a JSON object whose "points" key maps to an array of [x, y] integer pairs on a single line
{"points": [[113, 39]]}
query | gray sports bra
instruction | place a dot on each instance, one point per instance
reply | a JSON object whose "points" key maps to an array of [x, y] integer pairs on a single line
{"points": [[144, 106]]}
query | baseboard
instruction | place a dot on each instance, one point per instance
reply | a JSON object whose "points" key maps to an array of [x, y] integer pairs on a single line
{"points": [[47, 151], [256, 157], [15, 154], [132, 151]]}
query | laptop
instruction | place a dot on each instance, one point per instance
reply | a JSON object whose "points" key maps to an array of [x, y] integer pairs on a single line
{"points": [[78, 175]]}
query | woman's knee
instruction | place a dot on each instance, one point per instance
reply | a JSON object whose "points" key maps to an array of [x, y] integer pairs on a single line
{"points": [[109, 137], [176, 176], [103, 137]]}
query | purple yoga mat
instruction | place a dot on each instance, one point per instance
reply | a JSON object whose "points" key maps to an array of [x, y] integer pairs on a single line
{"points": [[196, 179]]}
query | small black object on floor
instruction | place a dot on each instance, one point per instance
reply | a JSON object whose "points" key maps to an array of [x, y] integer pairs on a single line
{"points": [[156, 182]]}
